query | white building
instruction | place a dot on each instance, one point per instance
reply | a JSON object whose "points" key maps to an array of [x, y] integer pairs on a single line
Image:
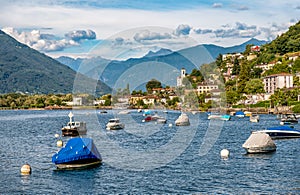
{"points": [[277, 81], [180, 78]]}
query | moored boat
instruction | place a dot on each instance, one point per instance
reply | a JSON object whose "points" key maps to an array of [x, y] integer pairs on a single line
{"points": [[288, 119], [254, 118], [182, 120], [282, 132], [224, 117], [114, 124], [247, 113], [78, 153], [259, 142], [74, 128], [240, 114]]}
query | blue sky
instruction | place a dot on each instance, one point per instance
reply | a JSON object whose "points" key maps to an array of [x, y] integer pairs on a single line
{"points": [[127, 28]]}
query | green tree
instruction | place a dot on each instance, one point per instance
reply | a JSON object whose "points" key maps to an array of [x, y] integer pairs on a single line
{"points": [[236, 67], [153, 83], [232, 97], [254, 86]]}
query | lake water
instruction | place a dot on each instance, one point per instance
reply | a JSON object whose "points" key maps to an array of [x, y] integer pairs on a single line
{"points": [[146, 157]]}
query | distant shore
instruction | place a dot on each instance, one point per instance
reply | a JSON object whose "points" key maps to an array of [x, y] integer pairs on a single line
{"points": [[258, 110]]}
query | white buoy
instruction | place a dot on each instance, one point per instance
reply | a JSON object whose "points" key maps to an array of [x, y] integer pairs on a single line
{"points": [[143, 121], [56, 135], [26, 169], [224, 153], [59, 143], [170, 125]]}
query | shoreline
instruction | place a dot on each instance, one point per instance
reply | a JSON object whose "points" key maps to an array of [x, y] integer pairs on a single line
{"points": [[259, 110]]}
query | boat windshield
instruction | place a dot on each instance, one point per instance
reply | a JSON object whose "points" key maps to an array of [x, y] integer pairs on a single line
{"points": [[113, 120]]}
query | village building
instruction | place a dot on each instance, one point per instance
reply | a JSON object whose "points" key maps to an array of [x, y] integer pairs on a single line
{"points": [[206, 88], [180, 78], [277, 81]]}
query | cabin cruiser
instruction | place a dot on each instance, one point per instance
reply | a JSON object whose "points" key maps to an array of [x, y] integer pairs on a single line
{"points": [[282, 132], [79, 153], [288, 119], [182, 120], [114, 124], [74, 128]]}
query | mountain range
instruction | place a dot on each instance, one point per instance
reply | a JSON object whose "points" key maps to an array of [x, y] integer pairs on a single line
{"points": [[26, 70], [163, 65]]}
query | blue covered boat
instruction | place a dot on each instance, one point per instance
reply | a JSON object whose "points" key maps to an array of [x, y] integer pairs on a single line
{"points": [[282, 132], [78, 153], [240, 114]]}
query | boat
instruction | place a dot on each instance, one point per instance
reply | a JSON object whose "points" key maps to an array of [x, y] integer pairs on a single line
{"points": [[161, 120], [248, 113], [282, 132], [259, 142], [155, 117], [124, 112], [78, 153], [103, 112], [254, 118], [182, 120], [114, 124], [147, 112], [74, 128], [288, 119], [224, 117], [148, 118], [240, 114]]}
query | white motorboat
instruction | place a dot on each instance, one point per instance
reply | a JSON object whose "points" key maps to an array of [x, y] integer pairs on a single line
{"points": [[183, 120], [282, 132], [114, 124], [259, 142], [124, 112], [254, 118]]}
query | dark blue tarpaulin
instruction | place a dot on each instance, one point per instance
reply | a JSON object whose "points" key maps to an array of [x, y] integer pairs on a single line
{"points": [[77, 149], [281, 128], [239, 113]]}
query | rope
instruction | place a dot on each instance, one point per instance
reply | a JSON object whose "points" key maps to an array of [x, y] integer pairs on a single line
{"points": [[42, 168]]}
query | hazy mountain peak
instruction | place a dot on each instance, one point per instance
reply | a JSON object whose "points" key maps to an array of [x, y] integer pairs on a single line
{"points": [[160, 52]]}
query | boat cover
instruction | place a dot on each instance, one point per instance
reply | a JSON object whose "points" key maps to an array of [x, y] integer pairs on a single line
{"points": [[281, 128], [259, 139], [77, 149], [239, 113]]}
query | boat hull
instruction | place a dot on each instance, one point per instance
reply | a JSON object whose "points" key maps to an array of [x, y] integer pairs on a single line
{"points": [[219, 117], [115, 127], [256, 150], [281, 134], [73, 132], [182, 123], [72, 166]]}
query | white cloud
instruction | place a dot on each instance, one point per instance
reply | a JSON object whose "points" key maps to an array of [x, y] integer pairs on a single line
{"points": [[147, 35], [78, 35], [204, 24], [217, 5], [182, 29], [48, 42]]}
